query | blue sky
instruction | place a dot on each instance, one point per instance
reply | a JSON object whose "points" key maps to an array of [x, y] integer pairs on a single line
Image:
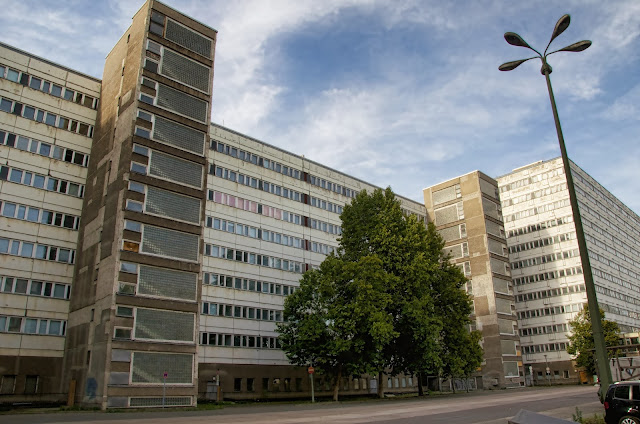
{"points": [[401, 93]]}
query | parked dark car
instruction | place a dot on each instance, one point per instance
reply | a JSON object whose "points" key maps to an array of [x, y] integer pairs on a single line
{"points": [[622, 403]]}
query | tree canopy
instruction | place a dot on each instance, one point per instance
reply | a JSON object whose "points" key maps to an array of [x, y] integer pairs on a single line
{"points": [[581, 343], [388, 300]]}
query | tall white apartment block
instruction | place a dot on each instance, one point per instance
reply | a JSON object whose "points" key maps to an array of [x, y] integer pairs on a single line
{"points": [[47, 115], [546, 267]]}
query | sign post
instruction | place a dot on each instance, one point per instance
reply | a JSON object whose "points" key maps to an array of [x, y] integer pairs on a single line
{"points": [[164, 387], [311, 371]]}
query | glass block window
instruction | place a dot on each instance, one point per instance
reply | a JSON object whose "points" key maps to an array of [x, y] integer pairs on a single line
{"points": [[446, 194], [177, 135], [503, 306], [506, 326], [187, 38], [174, 169], [491, 209], [511, 369], [508, 347], [156, 324], [451, 233], [149, 367], [449, 214], [168, 283], [171, 243], [497, 247], [187, 71], [141, 402], [454, 251], [181, 103], [493, 228], [500, 286], [172, 205]]}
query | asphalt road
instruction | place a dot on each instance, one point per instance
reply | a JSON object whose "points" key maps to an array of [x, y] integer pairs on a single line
{"points": [[485, 407]]}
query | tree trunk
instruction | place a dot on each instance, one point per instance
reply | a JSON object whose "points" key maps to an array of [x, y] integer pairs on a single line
{"points": [[452, 384], [380, 386], [336, 386], [420, 390]]}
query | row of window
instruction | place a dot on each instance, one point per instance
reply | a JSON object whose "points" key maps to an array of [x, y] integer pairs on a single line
{"points": [[547, 347], [612, 309], [540, 226], [630, 256], [550, 310], [254, 258], [267, 235], [270, 211], [544, 329], [544, 294], [611, 202], [48, 118], [235, 340], [19, 176], [272, 188], [546, 241], [25, 325], [34, 288], [533, 179], [552, 257], [594, 256], [29, 213], [43, 149], [282, 169], [285, 384], [534, 195], [36, 251], [235, 311], [615, 279], [238, 283], [544, 276], [48, 87], [617, 295], [604, 220], [537, 210], [8, 384]]}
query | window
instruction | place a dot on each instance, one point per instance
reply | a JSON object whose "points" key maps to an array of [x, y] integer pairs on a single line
{"points": [[8, 384], [237, 384]]}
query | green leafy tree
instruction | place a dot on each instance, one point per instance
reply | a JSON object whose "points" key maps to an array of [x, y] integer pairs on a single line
{"points": [[390, 300], [337, 320], [581, 342]]}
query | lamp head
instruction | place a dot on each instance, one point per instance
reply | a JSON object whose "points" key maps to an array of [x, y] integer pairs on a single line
{"points": [[561, 25], [510, 66], [576, 47], [515, 40]]}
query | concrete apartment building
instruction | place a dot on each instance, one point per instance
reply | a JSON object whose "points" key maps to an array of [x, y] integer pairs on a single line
{"points": [[142, 247], [47, 118], [546, 266], [466, 211]]}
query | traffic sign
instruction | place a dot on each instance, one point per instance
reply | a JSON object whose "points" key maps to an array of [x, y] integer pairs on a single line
{"points": [[165, 375], [310, 370]]}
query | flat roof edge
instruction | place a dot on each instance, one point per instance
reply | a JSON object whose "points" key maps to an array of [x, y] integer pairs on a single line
{"points": [[50, 62]]}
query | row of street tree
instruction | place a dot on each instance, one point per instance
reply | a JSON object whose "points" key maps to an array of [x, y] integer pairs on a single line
{"points": [[388, 301]]}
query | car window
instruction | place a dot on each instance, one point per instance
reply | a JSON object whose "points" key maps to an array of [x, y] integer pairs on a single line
{"points": [[622, 392], [635, 392]]}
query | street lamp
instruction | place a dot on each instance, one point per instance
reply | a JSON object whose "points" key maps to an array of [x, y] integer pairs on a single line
{"points": [[596, 323]]}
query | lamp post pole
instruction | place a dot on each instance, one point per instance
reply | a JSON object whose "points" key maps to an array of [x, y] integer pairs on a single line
{"points": [[604, 372]]}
